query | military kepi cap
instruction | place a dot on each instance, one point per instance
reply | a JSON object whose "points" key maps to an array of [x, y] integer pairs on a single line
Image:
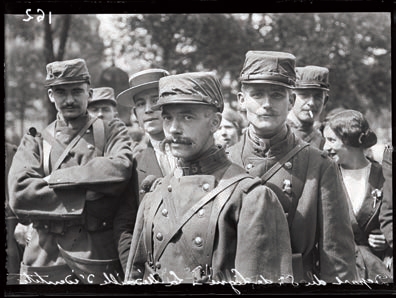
{"points": [[67, 72], [269, 67], [103, 94], [312, 76], [139, 82], [191, 88]]}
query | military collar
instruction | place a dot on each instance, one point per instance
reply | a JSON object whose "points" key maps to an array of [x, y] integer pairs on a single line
{"points": [[214, 159], [270, 147], [74, 124]]}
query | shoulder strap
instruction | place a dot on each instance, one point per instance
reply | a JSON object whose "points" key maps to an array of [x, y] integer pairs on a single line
{"points": [[218, 205], [73, 142], [99, 136], [282, 161], [48, 135], [275, 168], [213, 193]]}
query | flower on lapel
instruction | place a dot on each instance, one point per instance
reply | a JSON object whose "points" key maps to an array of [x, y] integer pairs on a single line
{"points": [[377, 195]]}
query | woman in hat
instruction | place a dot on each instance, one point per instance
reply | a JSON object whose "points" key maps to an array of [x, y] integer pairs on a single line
{"points": [[348, 135]]}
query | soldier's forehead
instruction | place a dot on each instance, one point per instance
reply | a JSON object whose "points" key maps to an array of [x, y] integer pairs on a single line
{"points": [[184, 108]]}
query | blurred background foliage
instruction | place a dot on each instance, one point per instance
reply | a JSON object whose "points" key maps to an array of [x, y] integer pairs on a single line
{"points": [[356, 47]]}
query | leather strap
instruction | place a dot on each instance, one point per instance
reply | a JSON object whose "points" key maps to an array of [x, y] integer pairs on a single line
{"points": [[48, 135], [275, 168], [99, 136], [213, 193], [218, 205], [282, 161]]}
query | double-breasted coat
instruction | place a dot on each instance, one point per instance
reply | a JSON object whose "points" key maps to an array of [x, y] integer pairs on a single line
{"points": [[248, 233], [320, 229], [370, 263], [73, 209]]}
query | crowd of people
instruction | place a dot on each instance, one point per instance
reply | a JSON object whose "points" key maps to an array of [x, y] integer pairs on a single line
{"points": [[196, 191]]}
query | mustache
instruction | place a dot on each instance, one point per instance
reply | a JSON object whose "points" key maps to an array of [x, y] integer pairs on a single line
{"points": [[178, 140]]}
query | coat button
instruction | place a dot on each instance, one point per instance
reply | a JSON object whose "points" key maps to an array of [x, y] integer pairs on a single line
{"points": [[88, 130], [198, 241], [104, 223], [201, 212], [164, 212], [288, 165], [58, 133], [158, 265], [205, 186], [159, 236], [91, 147], [249, 166], [169, 188], [46, 227]]}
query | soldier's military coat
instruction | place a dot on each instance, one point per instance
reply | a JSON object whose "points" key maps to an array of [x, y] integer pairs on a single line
{"points": [[73, 213], [321, 218], [370, 263], [308, 134], [250, 230]]}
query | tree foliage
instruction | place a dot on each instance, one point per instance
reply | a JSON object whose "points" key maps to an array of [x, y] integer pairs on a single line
{"points": [[31, 45], [356, 47]]}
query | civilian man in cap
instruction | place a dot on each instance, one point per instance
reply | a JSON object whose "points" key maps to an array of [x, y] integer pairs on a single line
{"points": [[312, 87], [141, 96], [103, 104], [306, 181], [150, 162], [207, 221], [68, 180]]}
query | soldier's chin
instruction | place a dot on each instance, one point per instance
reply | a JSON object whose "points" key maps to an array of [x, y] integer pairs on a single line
{"points": [[180, 150]]}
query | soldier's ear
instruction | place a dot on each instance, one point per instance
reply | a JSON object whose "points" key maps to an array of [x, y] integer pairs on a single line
{"points": [[90, 93], [326, 99], [51, 95], [241, 100], [216, 120], [292, 100]]}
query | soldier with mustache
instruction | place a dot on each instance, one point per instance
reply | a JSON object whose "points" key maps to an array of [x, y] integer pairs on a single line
{"points": [[207, 221], [305, 180], [69, 181]]}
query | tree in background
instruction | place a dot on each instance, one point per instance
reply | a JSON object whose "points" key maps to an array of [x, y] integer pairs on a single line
{"points": [[30, 45], [356, 47]]}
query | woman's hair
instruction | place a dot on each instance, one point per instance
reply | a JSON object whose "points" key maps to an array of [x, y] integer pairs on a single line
{"points": [[353, 129]]}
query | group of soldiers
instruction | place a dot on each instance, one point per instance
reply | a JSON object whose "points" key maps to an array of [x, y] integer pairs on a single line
{"points": [[205, 198]]}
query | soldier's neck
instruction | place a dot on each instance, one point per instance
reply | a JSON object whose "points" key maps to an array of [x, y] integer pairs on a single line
{"points": [[266, 139], [73, 122]]}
